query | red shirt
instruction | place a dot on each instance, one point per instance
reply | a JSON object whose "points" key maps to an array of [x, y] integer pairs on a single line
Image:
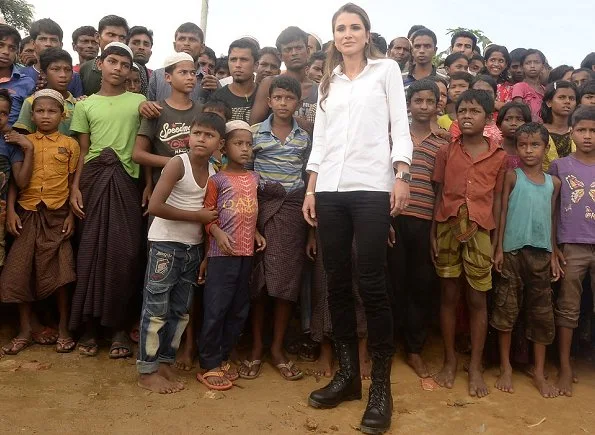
{"points": [[465, 181]]}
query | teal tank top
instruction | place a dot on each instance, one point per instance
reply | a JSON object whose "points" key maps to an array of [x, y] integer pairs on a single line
{"points": [[529, 216]]}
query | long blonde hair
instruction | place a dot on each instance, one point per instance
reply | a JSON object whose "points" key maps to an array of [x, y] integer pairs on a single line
{"points": [[334, 56]]}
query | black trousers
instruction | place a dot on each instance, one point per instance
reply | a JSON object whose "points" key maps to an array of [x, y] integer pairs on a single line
{"points": [[365, 216], [412, 278]]}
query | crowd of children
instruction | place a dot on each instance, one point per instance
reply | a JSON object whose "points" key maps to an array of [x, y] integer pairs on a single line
{"points": [[176, 195]]}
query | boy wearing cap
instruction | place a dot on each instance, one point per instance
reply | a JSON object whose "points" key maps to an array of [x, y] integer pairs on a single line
{"points": [[233, 235], [106, 197], [41, 261]]}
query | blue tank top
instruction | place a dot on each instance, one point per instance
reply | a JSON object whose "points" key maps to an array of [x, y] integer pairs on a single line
{"points": [[529, 217]]}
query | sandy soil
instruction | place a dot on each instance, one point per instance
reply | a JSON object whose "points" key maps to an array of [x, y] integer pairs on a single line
{"points": [[81, 395]]}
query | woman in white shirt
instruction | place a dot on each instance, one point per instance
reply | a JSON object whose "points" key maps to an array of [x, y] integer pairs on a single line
{"points": [[356, 182]]}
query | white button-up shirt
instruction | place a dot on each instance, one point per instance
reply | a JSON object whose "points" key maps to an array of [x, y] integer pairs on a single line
{"points": [[350, 146]]}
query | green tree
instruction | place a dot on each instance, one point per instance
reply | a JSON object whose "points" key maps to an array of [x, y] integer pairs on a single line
{"points": [[482, 40], [17, 13]]}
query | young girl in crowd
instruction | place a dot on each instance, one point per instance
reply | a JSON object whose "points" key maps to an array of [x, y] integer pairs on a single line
{"points": [[559, 102], [456, 62], [497, 61], [530, 91], [511, 116]]}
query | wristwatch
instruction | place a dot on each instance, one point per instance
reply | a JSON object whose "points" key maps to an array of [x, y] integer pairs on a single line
{"points": [[405, 176]]}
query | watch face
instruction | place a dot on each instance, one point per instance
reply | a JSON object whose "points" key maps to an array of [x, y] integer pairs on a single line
{"points": [[405, 176]]}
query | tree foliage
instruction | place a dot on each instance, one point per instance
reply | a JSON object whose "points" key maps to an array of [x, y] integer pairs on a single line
{"points": [[482, 40], [17, 13]]}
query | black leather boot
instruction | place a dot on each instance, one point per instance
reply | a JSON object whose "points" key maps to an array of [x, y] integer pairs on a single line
{"points": [[376, 419], [346, 384]]}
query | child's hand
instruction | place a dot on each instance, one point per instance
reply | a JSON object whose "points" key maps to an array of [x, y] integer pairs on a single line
{"points": [[392, 237], [311, 245], [147, 192], [498, 260], [81, 98], [149, 109], [13, 223], [76, 202], [560, 260], [309, 210], [207, 215], [14, 137], [557, 271], [68, 227], [433, 248], [209, 82], [261, 243], [224, 242], [202, 272]]}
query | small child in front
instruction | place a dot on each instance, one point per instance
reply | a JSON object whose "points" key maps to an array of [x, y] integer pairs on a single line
{"points": [[233, 191], [468, 174], [575, 233], [524, 256], [175, 253]]}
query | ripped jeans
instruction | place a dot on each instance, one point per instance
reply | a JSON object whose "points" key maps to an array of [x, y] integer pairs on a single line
{"points": [[170, 280]]}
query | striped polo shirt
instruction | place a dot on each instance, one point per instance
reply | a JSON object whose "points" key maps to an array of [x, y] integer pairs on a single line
{"points": [[421, 202], [280, 162]]}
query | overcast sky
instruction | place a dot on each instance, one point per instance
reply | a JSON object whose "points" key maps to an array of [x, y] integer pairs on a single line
{"points": [[564, 32]]}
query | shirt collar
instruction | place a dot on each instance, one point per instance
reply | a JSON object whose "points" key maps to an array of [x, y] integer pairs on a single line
{"points": [[52, 136], [493, 145], [70, 98], [267, 126], [339, 71], [412, 70]]}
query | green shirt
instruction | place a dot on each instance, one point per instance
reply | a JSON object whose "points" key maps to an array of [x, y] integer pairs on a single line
{"points": [[26, 123], [90, 76], [111, 122]]}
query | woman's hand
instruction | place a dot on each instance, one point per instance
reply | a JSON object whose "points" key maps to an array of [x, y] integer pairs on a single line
{"points": [[399, 197], [309, 210]]}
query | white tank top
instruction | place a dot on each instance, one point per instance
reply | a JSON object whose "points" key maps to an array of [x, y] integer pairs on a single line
{"points": [[186, 195]]}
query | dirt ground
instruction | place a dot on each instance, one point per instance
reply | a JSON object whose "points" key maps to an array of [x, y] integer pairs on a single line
{"points": [[81, 395]]}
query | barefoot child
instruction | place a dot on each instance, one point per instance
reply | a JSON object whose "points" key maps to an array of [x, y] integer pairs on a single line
{"points": [[175, 252], [575, 233], [231, 246], [524, 256], [41, 262], [469, 174]]}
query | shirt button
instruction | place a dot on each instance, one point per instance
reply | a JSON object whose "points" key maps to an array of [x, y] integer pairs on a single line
{"points": [[469, 181]]}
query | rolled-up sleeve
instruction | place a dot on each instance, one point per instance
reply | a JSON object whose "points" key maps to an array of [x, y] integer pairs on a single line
{"points": [[318, 139], [402, 149]]}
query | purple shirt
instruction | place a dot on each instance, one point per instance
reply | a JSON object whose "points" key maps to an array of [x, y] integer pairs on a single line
{"points": [[576, 222]]}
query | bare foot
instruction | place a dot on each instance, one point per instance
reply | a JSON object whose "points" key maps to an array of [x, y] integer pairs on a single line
{"points": [[324, 364], [504, 381], [365, 367], [185, 359], [167, 372], [415, 361], [157, 383], [546, 389], [446, 376], [477, 386], [564, 384]]}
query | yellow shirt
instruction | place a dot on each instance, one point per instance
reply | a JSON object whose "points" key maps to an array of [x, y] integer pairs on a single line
{"points": [[552, 154], [55, 157], [445, 122]]}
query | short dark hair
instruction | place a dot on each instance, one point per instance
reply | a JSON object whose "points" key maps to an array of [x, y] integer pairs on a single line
{"points": [[531, 51], [548, 96], [453, 57], [463, 34], [587, 89], [487, 79], [7, 31], [25, 41], [583, 113], [588, 61], [425, 32], [414, 29], [53, 54], [117, 51], [462, 75], [378, 41], [139, 30], [477, 56], [83, 31], [289, 35], [287, 83], [45, 25], [438, 79], [210, 120], [480, 97], [244, 44], [221, 63], [587, 70], [5, 96], [113, 21], [525, 111], [558, 73], [190, 28], [218, 104], [517, 54], [270, 50], [210, 53], [422, 85], [533, 128], [317, 55]]}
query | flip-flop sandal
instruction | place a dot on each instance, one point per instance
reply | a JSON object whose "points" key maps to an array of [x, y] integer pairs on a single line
{"points": [[46, 336], [289, 365], [92, 349], [117, 345], [65, 345], [16, 345], [214, 374], [249, 364], [226, 367]]}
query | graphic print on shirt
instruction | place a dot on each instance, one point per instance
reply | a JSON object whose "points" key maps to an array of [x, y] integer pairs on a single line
{"points": [[577, 189], [176, 135]]}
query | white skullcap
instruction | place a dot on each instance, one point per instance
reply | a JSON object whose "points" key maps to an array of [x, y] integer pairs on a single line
{"points": [[237, 125], [177, 57], [119, 45]]}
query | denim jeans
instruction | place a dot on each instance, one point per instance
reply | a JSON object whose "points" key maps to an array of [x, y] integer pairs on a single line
{"points": [[365, 216], [170, 280]]}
